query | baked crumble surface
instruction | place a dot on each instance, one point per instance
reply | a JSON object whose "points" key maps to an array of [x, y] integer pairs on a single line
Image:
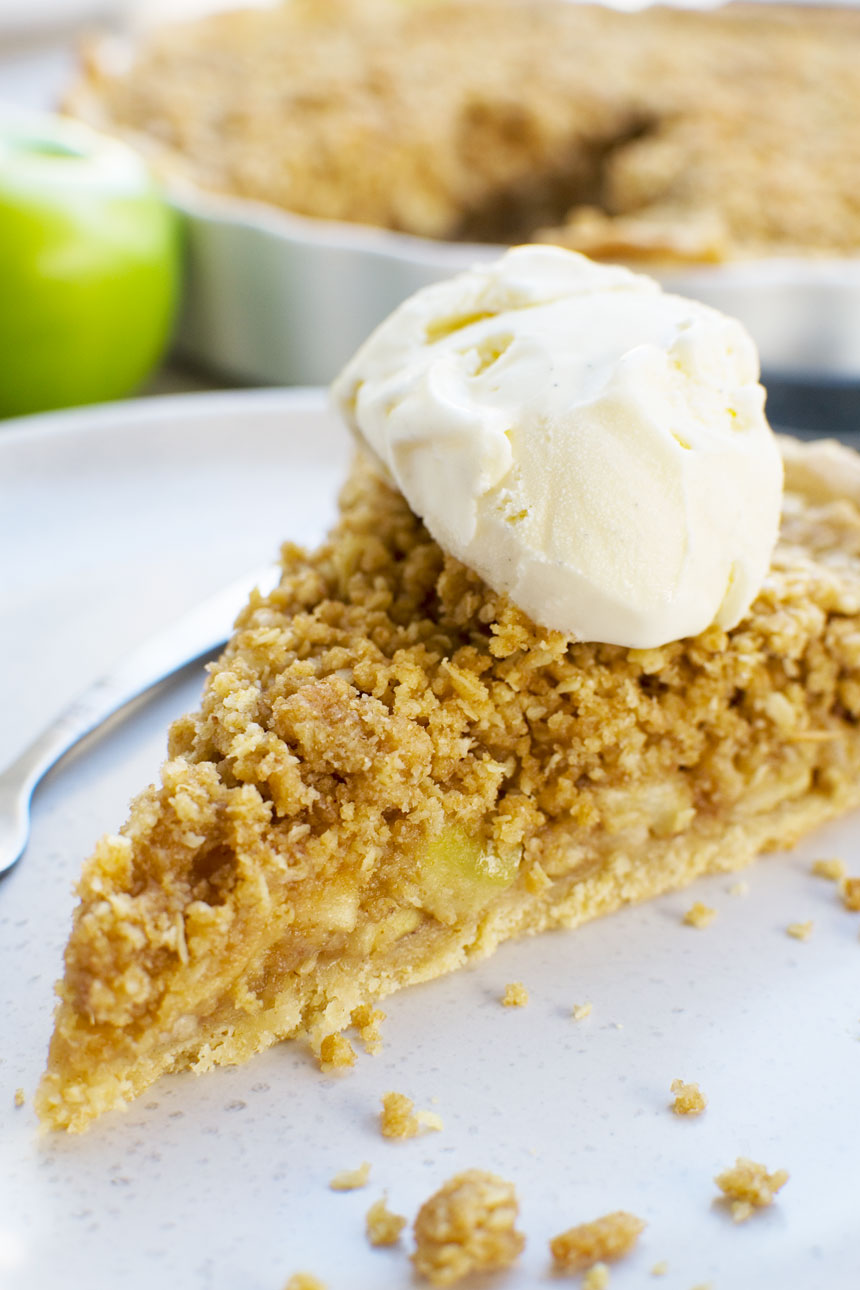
{"points": [[659, 134], [383, 1227], [382, 692]]}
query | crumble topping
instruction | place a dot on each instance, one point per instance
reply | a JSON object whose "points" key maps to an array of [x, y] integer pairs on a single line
{"points": [[689, 1099], [800, 931], [468, 1225], [516, 995], [606, 1238], [747, 1185], [399, 1119], [833, 870], [596, 1278], [383, 1226], [581, 1011], [849, 889], [699, 915], [19, 1097], [336, 1054], [617, 134], [367, 1021], [351, 1179]]}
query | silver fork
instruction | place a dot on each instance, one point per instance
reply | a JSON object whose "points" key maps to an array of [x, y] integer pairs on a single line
{"points": [[197, 633]]}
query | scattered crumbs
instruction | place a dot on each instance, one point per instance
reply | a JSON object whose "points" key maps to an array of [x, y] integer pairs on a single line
{"points": [[800, 931], [383, 1227], [19, 1097], [367, 1021], [740, 888], [702, 1285], [516, 995], [336, 1053], [618, 1025], [399, 1119], [351, 1179], [304, 1281], [608, 1237], [748, 1186], [833, 870], [849, 889], [581, 1011], [699, 915], [468, 1225], [660, 1269], [596, 1278], [689, 1098]]}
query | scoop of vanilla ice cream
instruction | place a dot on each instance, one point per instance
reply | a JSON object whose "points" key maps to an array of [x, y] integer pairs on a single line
{"points": [[592, 446]]}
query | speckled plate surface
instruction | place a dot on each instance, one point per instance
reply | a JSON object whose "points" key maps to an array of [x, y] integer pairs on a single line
{"points": [[112, 521]]}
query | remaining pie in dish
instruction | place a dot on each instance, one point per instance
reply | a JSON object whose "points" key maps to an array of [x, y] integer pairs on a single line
{"points": [[393, 770], [663, 134]]}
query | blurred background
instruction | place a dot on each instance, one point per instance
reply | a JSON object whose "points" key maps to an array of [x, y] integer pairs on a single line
{"points": [[40, 49]]}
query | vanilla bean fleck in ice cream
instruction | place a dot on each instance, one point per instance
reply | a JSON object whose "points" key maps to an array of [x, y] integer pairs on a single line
{"points": [[591, 445]]}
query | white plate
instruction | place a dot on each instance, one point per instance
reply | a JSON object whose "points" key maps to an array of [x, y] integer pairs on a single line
{"points": [[115, 520]]}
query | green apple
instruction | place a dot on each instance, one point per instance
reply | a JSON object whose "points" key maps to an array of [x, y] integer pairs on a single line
{"points": [[89, 266]]}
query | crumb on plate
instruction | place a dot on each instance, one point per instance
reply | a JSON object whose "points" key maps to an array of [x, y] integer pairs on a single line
{"points": [[399, 1119], [833, 870], [608, 1237], [748, 1186], [660, 1269], [740, 888], [304, 1281], [699, 915], [367, 1021], [689, 1098], [800, 931], [849, 889], [336, 1054], [468, 1225], [383, 1226], [19, 1097], [596, 1278], [351, 1179], [581, 1011], [516, 995]]}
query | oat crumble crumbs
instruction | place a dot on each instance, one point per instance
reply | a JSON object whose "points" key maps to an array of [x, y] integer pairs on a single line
{"points": [[516, 995], [399, 1119], [849, 889], [304, 1281], [383, 1226], [609, 1237], [800, 931], [596, 1278], [19, 1097], [336, 1054], [833, 870], [689, 1099], [699, 915], [581, 1011], [660, 1269], [351, 1179], [468, 1225], [748, 1186], [367, 1021]]}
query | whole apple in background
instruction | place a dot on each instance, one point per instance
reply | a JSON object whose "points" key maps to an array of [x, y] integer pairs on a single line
{"points": [[89, 266]]}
